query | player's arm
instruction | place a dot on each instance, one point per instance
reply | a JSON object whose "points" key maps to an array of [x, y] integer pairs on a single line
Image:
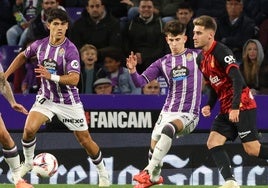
{"points": [[131, 63], [238, 85], [72, 78], [212, 97], [8, 94], [19, 60]]}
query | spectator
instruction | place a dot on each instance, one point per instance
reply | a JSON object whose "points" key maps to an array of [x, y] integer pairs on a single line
{"points": [[151, 88], [263, 37], [169, 8], [252, 59], [256, 10], [37, 28], [119, 75], [185, 14], [89, 68], [213, 8], [103, 86], [97, 27], [30, 83], [235, 28], [144, 36], [6, 19], [24, 12]]}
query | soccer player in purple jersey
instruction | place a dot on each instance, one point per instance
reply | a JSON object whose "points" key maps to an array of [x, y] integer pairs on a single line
{"points": [[237, 116], [180, 113], [9, 147], [59, 69]]}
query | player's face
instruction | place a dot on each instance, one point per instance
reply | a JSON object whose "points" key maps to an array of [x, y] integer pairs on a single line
{"points": [[146, 9], [202, 37], [89, 57], [176, 43], [95, 9], [184, 15], [252, 51], [152, 88], [58, 29]]}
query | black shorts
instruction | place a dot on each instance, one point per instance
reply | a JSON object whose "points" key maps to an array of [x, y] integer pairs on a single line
{"points": [[246, 127]]}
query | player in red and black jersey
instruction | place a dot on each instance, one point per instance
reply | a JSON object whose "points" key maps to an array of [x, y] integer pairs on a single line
{"points": [[237, 115]]}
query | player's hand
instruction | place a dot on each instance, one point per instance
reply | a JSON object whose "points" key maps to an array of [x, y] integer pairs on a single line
{"points": [[234, 115], [42, 72], [206, 111], [19, 108], [131, 62]]}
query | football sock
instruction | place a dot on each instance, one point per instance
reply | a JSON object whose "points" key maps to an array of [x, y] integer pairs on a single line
{"points": [[263, 152], [161, 148], [98, 161], [12, 158], [222, 161], [150, 154], [28, 150]]}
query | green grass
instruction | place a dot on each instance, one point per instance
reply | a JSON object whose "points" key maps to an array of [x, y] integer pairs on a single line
{"points": [[118, 186]]}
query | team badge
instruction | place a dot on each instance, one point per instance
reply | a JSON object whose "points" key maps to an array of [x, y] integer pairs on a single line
{"points": [[61, 52], [179, 73], [74, 64], [189, 57]]}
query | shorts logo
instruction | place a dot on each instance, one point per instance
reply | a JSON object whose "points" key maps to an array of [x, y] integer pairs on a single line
{"points": [[243, 134]]}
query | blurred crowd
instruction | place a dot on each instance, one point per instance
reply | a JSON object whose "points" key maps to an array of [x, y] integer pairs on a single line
{"points": [[106, 31]]}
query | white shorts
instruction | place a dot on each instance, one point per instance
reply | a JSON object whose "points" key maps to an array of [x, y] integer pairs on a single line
{"points": [[72, 116], [188, 120]]}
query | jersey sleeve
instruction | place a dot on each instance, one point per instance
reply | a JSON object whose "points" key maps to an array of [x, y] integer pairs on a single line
{"points": [[31, 50], [225, 57], [153, 71], [72, 60]]}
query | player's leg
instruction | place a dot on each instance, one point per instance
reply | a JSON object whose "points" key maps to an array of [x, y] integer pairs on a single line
{"points": [[95, 154], [11, 155], [33, 123], [221, 131], [80, 129], [249, 136]]}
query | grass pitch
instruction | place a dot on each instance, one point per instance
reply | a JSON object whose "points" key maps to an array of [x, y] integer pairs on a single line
{"points": [[119, 186]]}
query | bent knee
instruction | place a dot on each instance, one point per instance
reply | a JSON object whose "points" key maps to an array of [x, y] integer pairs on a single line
{"points": [[252, 150]]}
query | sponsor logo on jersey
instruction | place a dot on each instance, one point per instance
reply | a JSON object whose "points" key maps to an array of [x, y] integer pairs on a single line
{"points": [[50, 65], [214, 79], [179, 73], [229, 59]]}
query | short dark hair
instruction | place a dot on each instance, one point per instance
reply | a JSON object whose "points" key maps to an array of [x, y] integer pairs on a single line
{"points": [[185, 5], [206, 21], [58, 14], [174, 27]]}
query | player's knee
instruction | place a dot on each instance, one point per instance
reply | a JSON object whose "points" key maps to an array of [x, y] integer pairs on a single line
{"points": [[252, 151], [169, 130], [211, 144]]}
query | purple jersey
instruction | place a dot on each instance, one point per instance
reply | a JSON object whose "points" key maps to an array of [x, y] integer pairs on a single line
{"points": [[60, 60], [183, 78]]}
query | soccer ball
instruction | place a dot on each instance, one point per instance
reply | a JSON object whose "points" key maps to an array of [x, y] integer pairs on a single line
{"points": [[45, 165]]}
